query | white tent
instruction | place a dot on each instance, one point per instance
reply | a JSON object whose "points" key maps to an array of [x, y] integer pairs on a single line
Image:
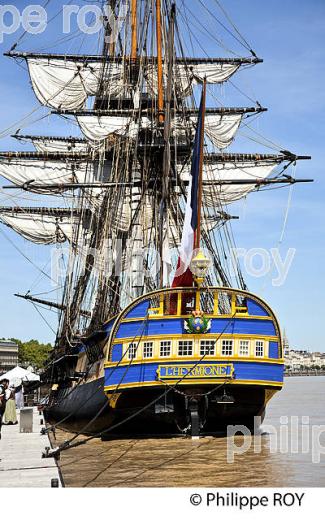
{"points": [[21, 374]]}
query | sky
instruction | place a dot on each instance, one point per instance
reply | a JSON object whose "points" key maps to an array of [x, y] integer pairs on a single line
{"points": [[289, 36]]}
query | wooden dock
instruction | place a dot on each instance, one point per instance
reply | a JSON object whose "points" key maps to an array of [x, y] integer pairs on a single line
{"points": [[21, 463]]}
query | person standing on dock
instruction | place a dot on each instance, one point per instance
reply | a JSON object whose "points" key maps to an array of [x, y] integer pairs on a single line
{"points": [[3, 387], [19, 396], [10, 416]]}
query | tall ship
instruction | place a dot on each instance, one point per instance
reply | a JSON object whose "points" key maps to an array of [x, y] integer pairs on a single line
{"points": [[154, 335]]}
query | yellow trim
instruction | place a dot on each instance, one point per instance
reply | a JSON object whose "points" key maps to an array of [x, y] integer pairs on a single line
{"points": [[196, 382], [113, 398], [179, 303], [235, 308], [182, 359], [197, 300], [215, 303], [166, 337], [154, 311], [186, 316]]}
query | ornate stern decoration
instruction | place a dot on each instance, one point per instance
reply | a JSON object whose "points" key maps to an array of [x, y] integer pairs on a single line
{"points": [[197, 323], [199, 267]]}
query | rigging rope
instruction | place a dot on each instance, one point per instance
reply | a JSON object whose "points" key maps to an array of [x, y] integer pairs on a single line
{"points": [[284, 226], [244, 41], [25, 256]]}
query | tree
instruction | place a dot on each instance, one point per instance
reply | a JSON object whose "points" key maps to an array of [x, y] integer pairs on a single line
{"points": [[32, 352]]}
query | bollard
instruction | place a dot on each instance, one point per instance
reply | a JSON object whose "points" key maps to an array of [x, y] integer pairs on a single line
{"points": [[54, 453], [26, 420], [46, 452]]}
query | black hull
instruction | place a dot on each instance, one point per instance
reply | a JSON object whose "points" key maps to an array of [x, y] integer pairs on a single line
{"points": [[76, 409]]}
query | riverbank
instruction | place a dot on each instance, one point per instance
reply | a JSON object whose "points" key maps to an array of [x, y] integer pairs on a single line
{"points": [[312, 373]]}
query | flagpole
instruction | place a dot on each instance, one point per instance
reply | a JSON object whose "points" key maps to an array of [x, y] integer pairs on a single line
{"points": [[134, 29], [191, 236], [200, 186], [161, 117]]}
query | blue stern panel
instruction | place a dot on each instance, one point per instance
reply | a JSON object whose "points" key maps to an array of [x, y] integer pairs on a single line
{"points": [[193, 336]]}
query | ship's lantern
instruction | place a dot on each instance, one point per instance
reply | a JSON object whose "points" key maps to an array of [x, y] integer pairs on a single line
{"points": [[224, 399], [199, 267]]}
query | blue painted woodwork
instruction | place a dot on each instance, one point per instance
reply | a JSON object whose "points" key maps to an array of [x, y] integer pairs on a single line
{"points": [[147, 372], [117, 352], [255, 309], [273, 350], [172, 326]]}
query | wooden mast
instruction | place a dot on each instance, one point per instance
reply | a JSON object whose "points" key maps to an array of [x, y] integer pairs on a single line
{"points": [[163, 213], [110, 48], [199, 209], [134, 28], [161, 117]]}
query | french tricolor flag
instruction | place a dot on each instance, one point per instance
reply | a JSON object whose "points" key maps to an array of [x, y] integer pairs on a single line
{"points": [[190, 236]]}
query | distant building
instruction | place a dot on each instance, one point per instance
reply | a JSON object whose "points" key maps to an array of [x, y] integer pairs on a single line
{"points": [[303, 359], [8, 355], [300, 360], [286, 346]]}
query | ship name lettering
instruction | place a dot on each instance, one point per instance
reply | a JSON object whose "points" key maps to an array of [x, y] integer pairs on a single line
{"points": [[193, 371]]}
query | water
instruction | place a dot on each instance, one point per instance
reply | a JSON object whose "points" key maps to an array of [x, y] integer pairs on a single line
{"points": [[186, 462]]}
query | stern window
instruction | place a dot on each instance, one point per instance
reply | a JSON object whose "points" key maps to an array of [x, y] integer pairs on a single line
{"points": [[132, 350], [227, 347], [185, 348], [148, 349], [244, 347], [259, 348], [165, 348], [207, 347]]}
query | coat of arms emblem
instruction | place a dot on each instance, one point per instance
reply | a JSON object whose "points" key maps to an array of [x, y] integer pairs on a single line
{"points": [[197, 323]]}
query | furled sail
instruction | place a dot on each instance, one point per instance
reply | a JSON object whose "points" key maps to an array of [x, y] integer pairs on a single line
{"points": [[39, 228], [67, 84], [221, 129], [47, 144], [213, 72], [59, 146], [46, 172], [98, 128], [215, 193], [189, 75]]}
